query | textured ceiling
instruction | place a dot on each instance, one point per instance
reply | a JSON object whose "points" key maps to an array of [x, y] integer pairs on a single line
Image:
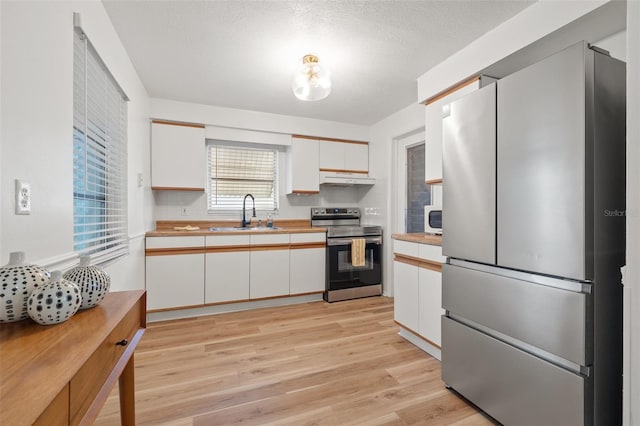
{"points": [[242, 54]]}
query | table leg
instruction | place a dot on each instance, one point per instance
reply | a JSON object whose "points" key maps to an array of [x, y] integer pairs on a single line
{"points": [[127, 395]]}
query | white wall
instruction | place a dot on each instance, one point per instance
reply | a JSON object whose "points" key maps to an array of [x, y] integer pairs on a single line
{"points": [[615, 44], [1, 131], [525, 28], [168, 204], [631, 277], [37, 119], [380, 202]]}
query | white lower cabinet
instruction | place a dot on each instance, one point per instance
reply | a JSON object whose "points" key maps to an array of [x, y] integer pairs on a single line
{"points": [[192, 271], [307, 263], [269, 270], [406, 304], [431, 311], [227, 268], [418, 290], [174, 279]]}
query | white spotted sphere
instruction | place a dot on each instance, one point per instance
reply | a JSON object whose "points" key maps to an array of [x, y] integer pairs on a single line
{"points": [[54, 302], [93, 282], [17, 281]]}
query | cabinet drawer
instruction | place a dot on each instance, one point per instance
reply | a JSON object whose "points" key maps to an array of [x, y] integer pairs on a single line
{"points": [[520, 309], [270, 239], [174, 242], [406, 248], [315, 237], [513, 386], [433, 253], [227, 240], [87, 382]]}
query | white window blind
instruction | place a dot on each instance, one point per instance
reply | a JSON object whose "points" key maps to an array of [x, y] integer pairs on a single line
{"points": [[99, 156], [236, 170]]}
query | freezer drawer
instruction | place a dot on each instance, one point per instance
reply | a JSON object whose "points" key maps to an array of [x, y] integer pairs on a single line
{"points": [[547, 318], [512, 386]]}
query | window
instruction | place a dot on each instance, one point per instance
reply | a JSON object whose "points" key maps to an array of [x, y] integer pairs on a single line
{"points": [[99, 156], [418, 194], [239, 169]]}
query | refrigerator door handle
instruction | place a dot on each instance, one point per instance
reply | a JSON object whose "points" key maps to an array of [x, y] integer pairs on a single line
{"points": [[585, 287]]}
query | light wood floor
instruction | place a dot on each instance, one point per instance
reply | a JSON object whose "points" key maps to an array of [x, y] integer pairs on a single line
{"points": [[310, 364]]}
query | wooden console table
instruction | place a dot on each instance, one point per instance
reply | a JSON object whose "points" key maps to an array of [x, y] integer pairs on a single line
{"points": [[62, 374]]}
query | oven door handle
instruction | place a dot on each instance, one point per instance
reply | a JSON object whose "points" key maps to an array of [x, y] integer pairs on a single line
{"points": [[348, 241]]}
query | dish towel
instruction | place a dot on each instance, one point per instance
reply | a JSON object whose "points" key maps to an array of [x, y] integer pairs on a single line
{"points": [[357, 252]]}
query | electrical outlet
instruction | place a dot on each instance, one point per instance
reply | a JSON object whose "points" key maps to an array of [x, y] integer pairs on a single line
{"points": [[23, 197], [184, 211]]}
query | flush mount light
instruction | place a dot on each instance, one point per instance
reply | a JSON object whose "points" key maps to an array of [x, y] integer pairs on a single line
{"points": [[311, 82]]}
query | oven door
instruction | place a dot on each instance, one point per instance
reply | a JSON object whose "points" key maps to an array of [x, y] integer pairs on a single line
{"points": [[342, 274]]}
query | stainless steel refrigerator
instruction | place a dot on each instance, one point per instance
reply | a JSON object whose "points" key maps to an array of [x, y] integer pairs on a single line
{"points": [[534, 231]]}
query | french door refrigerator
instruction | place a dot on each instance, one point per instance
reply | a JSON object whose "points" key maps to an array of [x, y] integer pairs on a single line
{"points": [[533, 227]]}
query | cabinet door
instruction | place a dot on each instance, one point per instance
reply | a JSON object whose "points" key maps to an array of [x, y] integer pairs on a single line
{"points": [[303, 166], [307, 270], [178, 159], [356, 157], [469, 186], [406, 305], [431, 311], [269, 275], [227, 268], [175, 281], [332, 156], [307, 262]]}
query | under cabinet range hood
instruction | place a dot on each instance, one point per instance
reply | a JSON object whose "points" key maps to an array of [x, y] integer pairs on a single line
{"points": [[345, 179]]}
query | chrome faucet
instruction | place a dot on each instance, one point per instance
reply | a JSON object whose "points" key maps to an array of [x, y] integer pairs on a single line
{"points": [[246, 222]]}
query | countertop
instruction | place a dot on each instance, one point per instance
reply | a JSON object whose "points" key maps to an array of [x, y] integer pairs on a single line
{"points": [[419, 237], [285, 226]]}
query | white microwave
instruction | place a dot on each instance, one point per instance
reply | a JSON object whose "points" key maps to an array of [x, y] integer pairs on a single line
{"points": [[433, 219]]}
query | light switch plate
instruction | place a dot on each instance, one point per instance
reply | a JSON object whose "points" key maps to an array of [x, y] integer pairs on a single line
{"points": [[23, 197]]}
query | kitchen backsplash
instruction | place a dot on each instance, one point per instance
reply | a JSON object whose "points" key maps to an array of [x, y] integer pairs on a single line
{"points": [[185, 205]]}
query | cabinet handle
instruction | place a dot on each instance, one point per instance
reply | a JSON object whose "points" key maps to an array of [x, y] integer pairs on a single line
{"points": [[122, 342]]}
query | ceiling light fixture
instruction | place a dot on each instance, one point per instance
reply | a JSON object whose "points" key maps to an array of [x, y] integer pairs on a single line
{"points": [[311, 82]]}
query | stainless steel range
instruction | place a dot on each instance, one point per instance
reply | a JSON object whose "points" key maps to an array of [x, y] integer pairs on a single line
{"points": [[354, 253]]}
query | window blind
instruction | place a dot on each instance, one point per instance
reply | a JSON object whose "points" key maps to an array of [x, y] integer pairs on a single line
{"points": [[99, 156], [237, 170]]}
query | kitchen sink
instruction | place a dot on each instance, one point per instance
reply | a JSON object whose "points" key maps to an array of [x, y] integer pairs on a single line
{"points": [[245, 228]]}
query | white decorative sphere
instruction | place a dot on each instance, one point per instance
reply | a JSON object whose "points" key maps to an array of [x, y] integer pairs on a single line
{"points": [[93, 282], [17, 281], [55, 301]]}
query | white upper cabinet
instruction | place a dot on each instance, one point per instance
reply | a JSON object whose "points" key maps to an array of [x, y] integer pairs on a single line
{"points": [[356, 157], [344, 156], [433, 130], [178, 156], [303, 161]]}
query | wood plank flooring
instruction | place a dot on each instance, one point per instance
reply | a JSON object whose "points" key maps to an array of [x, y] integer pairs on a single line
{"points": [[309, 364]]}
